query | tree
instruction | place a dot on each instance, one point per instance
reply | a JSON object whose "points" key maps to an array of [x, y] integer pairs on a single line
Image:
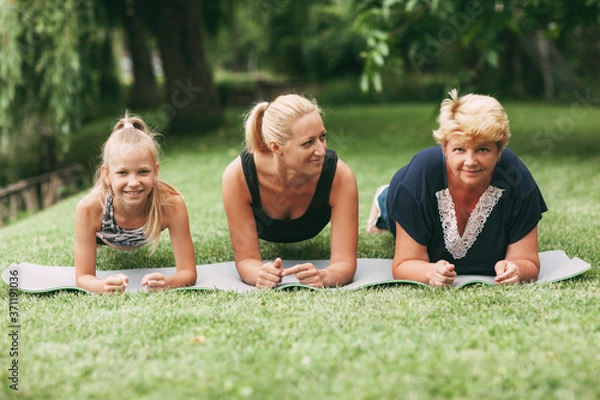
{"points": [[192, 102], [481, 44], [143, 92], [56, 62], [45, 77], [299, 40]]}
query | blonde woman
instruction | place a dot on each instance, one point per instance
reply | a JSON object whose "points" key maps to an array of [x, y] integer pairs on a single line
{"points": [[467, 206], [129, 207], [286, 186]]}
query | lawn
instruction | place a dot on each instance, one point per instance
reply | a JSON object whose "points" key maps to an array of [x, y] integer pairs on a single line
{"points": [[538, 341]]}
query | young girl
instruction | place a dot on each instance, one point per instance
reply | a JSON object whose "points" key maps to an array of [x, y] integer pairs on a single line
{"points": [[129, 207]]}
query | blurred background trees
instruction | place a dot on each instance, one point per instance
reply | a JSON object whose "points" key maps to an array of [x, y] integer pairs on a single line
{"points": [[66, 64], [528, 49]]}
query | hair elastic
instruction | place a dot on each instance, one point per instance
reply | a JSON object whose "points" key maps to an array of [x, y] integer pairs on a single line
{"points": [[128, 125]]}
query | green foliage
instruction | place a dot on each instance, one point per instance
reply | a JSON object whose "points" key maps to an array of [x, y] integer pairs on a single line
{"points": [[373, 24], [46, 73], [307, 40], [329, 48], [53, 52], [10, 68], [483, 44]]}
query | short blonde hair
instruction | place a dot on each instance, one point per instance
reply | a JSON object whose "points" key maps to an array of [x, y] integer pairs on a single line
{"points": [[272, 122], [474, 118]]}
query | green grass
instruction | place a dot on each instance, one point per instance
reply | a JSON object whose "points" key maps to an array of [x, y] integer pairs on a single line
{"points": [[531, 341]]}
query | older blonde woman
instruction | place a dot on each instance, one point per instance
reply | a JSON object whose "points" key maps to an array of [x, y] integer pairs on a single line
{"points": [[467, 206], [286, 186]]}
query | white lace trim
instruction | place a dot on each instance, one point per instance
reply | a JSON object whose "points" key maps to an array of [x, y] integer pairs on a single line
{"points": [[455, 244]]}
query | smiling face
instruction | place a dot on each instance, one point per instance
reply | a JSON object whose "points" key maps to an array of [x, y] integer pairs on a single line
{"points": [[305, 151], [470, 165], [132, 173]]}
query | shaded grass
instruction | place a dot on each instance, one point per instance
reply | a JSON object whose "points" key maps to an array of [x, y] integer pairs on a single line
{"points": [[530, 341]]}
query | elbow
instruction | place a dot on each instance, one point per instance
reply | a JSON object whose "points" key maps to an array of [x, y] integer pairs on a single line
{"points": [[533, 272], [530, 268], [193, 277], [182, 279], [348, 276], [86, 282], [397, 270], [81, 281]]}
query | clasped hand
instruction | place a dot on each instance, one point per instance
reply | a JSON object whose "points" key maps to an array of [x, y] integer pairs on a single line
{"points": [[271, 274], [442, 273], [119, 282], [507, 272]]}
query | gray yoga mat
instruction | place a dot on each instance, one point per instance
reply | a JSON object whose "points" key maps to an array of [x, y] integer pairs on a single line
{"points": [[32, 278]]}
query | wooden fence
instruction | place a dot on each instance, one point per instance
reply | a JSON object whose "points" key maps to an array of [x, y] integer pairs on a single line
{"points": [[39, 192]]}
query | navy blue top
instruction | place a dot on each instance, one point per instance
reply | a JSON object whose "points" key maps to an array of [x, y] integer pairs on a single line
{"points": [[418, 199], [316, 217]]}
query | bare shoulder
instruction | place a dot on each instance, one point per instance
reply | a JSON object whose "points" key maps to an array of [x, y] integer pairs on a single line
{"points": [[90, 203], [173, 202], [233, 182], [343, 174], [233, 171], [88, 212], [344, 184], [175, 211]]}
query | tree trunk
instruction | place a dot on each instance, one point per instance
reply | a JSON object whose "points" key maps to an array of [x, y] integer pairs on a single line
{"points": [[192, 101], [144, 91], [543, 48]]}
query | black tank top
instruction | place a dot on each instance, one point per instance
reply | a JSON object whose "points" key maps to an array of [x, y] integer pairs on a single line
{"points": [[308, 225]]}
